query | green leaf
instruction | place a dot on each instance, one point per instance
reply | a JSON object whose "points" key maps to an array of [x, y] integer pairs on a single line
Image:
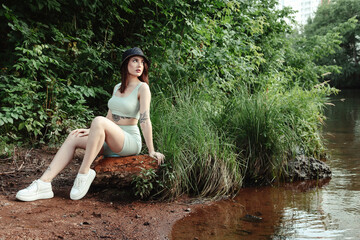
{"points": [[21, 126]]}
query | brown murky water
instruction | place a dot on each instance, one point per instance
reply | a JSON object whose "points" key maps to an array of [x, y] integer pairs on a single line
{"points": [[326, 209]]}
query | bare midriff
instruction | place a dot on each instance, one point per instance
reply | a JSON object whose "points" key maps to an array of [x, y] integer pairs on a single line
{"points": [[123, 121]]}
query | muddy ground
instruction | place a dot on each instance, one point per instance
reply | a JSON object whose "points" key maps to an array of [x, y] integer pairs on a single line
{"points": [[101, 214]]}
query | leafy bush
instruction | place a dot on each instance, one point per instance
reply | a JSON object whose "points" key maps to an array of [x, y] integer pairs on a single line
{"points": [[144, 182], [339, 17], [234, 93], [44, 91]]}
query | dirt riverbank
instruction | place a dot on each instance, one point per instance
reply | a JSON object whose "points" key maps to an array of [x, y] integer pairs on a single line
{"points": [[102, 214]]}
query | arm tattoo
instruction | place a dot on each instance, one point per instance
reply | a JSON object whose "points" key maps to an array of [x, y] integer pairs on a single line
{"points": [[143, 117], [117, 117]]}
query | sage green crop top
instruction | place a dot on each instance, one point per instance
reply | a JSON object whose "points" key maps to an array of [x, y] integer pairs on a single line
{"points": [[128, 106]]}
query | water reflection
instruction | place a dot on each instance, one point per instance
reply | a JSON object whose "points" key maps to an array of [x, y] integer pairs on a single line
{"points": [[275, 205], [304, 210]]}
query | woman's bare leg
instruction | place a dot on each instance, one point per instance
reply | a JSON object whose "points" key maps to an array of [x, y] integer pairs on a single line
{"points": [[102, 129], [64, 155]]}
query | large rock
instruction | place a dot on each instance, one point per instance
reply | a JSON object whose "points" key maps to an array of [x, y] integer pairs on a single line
{"points": [[307, 168], [119, 171]]}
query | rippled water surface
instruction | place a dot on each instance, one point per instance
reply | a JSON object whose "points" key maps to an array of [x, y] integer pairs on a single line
{"points": [[327, 209]]}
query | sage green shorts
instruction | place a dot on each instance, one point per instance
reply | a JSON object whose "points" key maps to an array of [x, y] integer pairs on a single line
{"points": [[132, 142]]}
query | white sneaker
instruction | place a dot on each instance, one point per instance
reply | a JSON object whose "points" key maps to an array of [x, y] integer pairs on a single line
{"points": [[82, 184], [37, 190]]}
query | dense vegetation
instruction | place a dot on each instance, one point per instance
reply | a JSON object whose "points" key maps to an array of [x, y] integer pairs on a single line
{"points": [[234, 96], [340, 16]]}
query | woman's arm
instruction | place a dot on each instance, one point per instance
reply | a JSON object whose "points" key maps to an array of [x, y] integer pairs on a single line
{"points": [[145, 122]]}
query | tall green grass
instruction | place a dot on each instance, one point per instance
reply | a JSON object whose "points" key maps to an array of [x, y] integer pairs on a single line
{"points": [[212, 148], [260, 133], [270, 127], [200, 160]]}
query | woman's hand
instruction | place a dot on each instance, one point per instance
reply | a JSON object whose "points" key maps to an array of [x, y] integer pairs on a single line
{"points": [[80, 132], [159, 156]]}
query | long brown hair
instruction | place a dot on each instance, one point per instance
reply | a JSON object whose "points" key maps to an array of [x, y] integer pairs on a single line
{"points": [[124, 73]]}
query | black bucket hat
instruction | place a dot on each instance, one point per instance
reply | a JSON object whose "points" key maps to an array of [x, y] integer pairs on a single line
{"points": [[134, 52]]}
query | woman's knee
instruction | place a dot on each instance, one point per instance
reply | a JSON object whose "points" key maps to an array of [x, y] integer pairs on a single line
{"points": [[71, 135], [98, 122]]}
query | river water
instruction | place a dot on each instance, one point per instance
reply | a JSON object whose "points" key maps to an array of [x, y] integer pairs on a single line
{"points": [[325, 209]]}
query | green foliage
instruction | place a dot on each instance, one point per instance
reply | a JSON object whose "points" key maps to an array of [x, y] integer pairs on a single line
{"points": [[339, 17], [268, 128], [199, 158], [299, 61], [44, 91], [216, 43], [235, 92], [259, 131], [144, 182]]}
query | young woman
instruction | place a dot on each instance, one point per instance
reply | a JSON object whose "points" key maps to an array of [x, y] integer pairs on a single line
{"points": [[117, 133]]}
